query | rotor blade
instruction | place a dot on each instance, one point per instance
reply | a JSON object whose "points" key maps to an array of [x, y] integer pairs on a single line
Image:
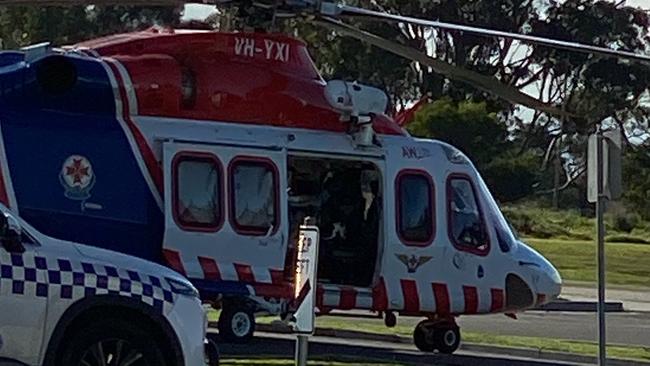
{"points": [[479, 81], [572, 46]]}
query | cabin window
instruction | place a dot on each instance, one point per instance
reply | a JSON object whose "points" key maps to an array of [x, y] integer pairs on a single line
{"points": [[466, 225], [197, 191], [415, 215], [254, 192]]}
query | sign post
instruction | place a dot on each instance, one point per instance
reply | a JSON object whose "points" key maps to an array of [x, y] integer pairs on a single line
{"points": [[604, 182], [304, 298]]}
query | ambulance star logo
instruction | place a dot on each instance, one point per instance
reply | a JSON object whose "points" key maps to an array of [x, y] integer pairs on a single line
{"points": [[77, 177], [77, 171]]}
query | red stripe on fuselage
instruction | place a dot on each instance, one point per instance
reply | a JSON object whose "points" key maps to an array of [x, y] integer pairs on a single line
{"points": [[282, 291], [320, 297], [210, 269], [471, 299], [410, 292], [497, 300], [145, 150], [173, 258], [379, 296], [441, 295], [244, 273], [4, 197], [277, 276], [348, 298]]}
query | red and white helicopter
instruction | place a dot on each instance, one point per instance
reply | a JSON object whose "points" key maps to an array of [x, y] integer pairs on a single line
{"points": [[205, 151]]}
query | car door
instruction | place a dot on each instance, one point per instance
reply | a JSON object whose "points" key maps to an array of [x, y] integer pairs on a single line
{"points": [[23, 302]]}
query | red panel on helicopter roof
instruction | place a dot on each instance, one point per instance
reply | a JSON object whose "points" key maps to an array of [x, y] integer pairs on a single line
{"points": [[255, 78]]}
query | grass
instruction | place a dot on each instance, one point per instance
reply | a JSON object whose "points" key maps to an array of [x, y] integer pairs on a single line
{"points": [[545, 344], [533, 220], [320, 361], [406, 330], [627, 264]]}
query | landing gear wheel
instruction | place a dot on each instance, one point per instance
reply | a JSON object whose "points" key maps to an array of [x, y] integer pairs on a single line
{"points": [[446, 338], [114, 342], [423, 336], [236, 324]]}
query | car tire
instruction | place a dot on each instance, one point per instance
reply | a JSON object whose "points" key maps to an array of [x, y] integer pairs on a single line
{"points": [[116, 341], [236, 324]]}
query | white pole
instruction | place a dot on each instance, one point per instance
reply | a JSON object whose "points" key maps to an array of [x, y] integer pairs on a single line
{"points": [[600, 209]]}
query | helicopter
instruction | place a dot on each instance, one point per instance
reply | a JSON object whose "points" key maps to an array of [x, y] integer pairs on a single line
{"points": [[205, 150]]}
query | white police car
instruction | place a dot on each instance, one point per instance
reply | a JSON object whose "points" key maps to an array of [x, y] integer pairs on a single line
{"points": [[66, 304]]}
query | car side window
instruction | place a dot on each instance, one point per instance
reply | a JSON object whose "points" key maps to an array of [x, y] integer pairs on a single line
{"points": [[466, 224], [197, 192], [415, 219], [254, 196]]}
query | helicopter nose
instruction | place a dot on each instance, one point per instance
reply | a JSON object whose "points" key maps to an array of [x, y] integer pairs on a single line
{"points": [[550, 285], [546, 278]]}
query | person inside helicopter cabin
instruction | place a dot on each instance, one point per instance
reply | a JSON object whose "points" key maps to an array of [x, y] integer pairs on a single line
{"points": [[467, 228], [350, 222]]}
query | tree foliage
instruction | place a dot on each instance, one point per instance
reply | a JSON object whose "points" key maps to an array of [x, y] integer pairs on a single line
{"points": [[476, 131], [24, 25], [636, 178], [512, 147]]}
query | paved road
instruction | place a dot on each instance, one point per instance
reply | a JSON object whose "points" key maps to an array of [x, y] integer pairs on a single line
{"points": [[630, 327], [622, 328], [283, 346], [637, 299]]}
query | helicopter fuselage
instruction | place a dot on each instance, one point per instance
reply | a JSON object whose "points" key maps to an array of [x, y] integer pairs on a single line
{"points": [[204, 151]]}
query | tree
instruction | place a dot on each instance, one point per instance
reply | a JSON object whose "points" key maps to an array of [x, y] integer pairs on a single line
{"points": [[24, 25], [636, 179], [476, 131]]}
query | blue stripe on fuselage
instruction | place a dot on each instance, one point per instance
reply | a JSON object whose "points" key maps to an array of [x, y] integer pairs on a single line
{"points": [[41, 131]]}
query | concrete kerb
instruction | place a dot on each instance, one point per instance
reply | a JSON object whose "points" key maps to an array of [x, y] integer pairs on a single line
{"points": [[580, 306], [497, 350]]}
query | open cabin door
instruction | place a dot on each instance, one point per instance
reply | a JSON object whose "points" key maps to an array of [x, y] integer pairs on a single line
{"points": [[224, 220]]}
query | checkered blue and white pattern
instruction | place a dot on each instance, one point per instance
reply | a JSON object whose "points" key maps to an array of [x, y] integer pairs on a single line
{"points": [[39, 276]]}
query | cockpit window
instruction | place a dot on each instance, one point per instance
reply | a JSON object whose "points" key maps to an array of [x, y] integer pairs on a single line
{"points": [[506, 233], [466, 224], [415, 219]]}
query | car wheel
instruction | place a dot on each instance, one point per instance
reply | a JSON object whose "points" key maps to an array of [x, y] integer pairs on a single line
{"points": [[236, 324], [114, 343]]}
